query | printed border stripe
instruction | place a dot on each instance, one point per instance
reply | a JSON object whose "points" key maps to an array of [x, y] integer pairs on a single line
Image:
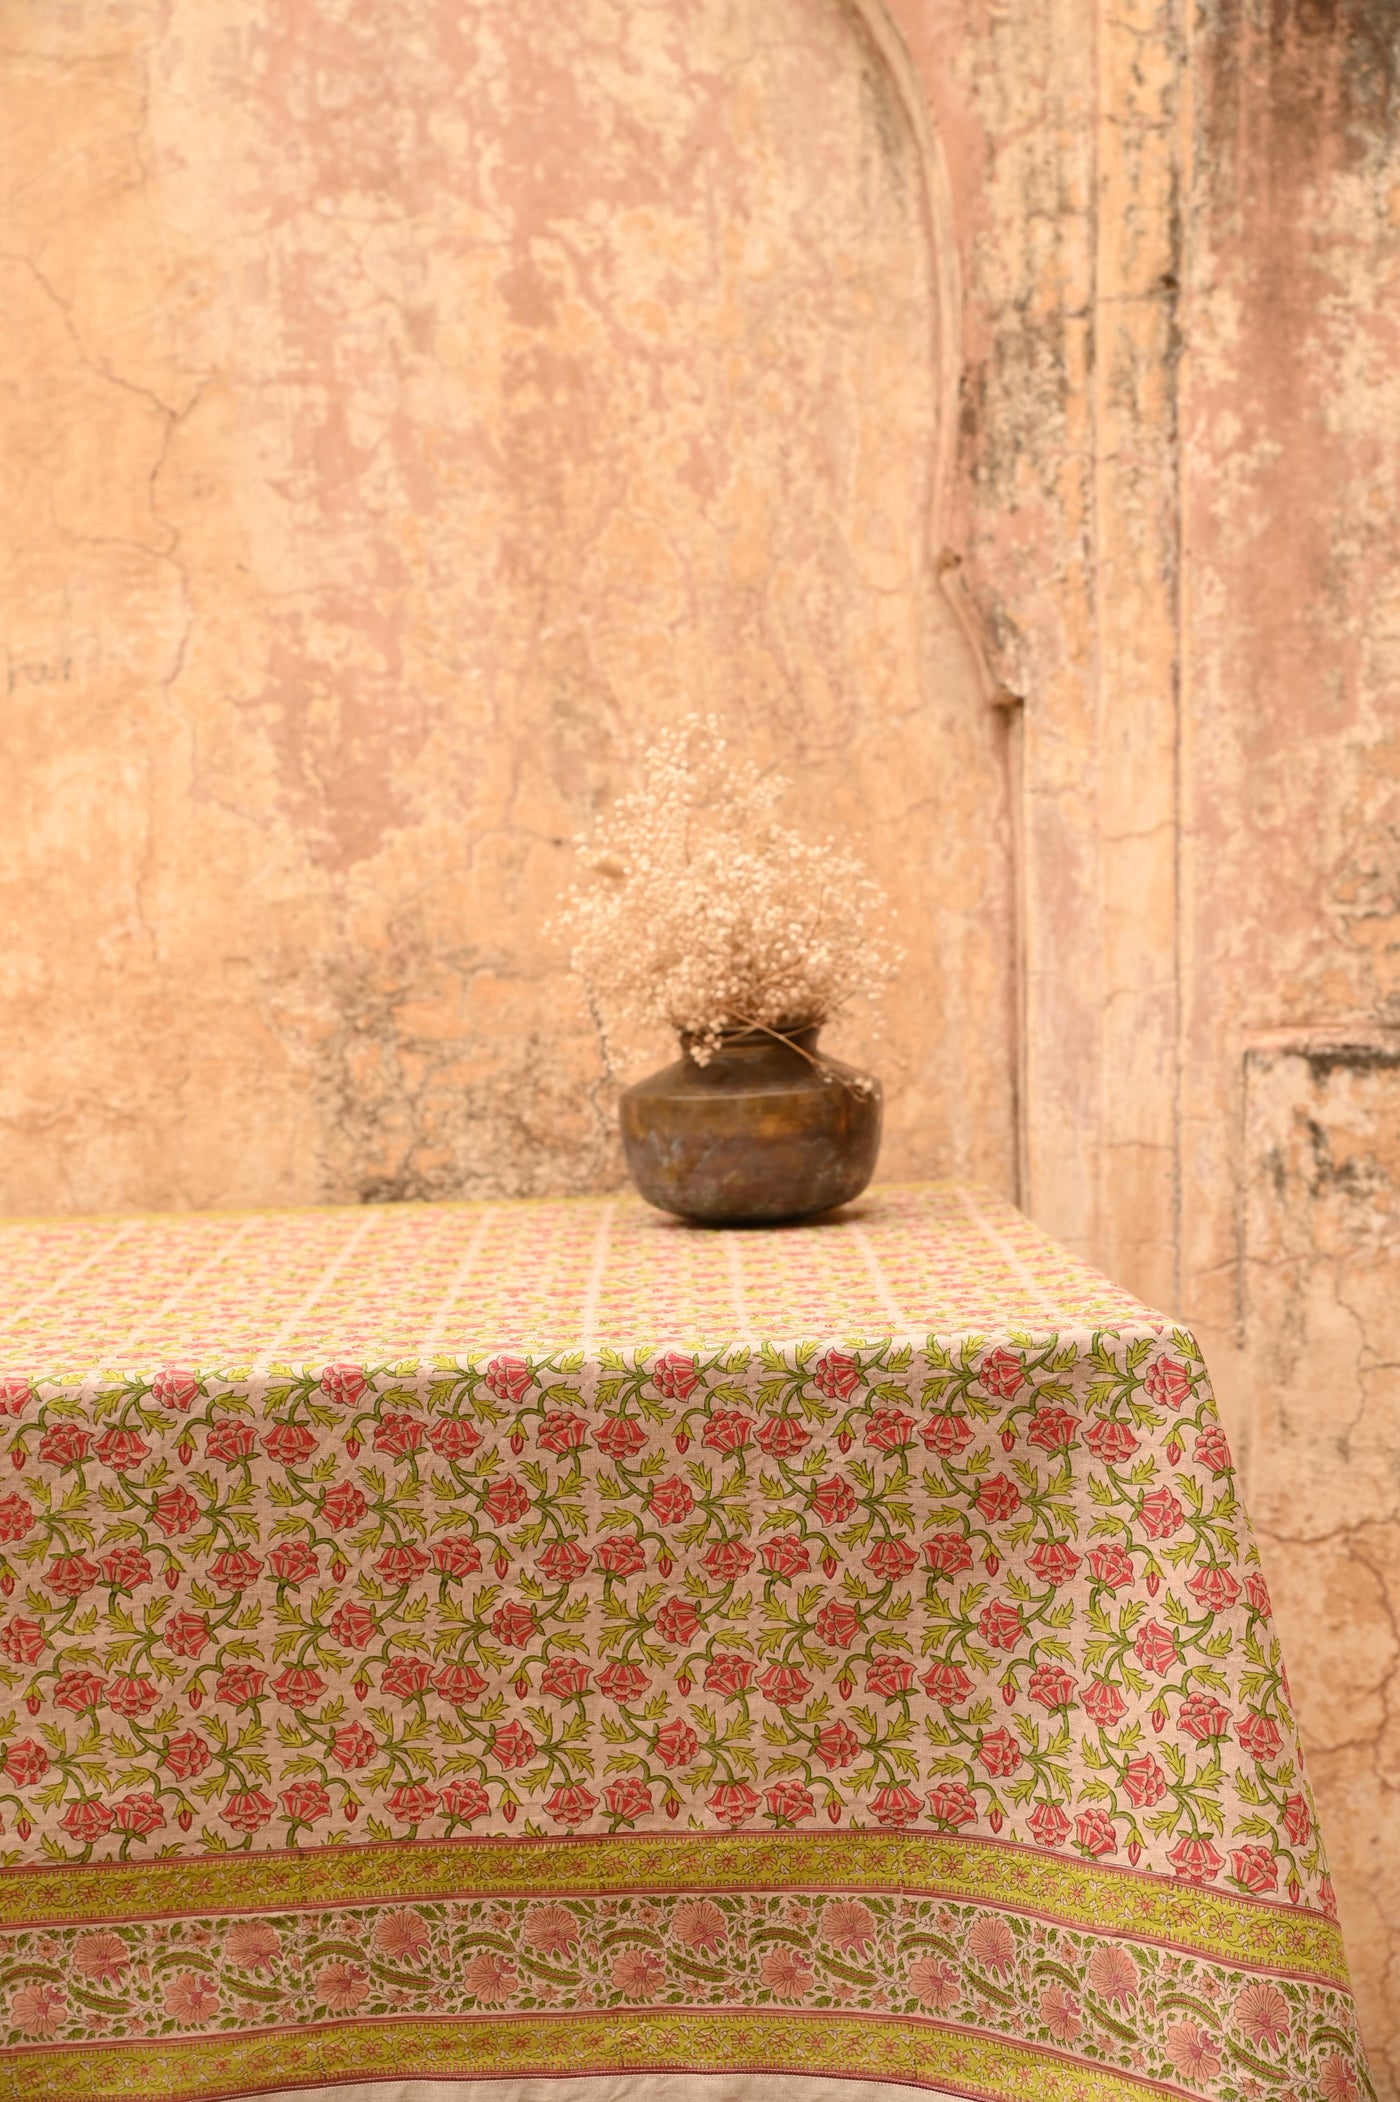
{"points": [[1111, 1901], [624, 2040]]}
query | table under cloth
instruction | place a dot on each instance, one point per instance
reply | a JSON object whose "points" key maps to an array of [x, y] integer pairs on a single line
{"points": [[539, 1640]]}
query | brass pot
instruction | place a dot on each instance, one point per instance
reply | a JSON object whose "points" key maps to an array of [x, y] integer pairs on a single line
{"points": [[757, 1134]]}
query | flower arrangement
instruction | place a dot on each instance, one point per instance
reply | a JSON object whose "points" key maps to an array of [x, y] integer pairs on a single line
{"points": [[703, 913]]}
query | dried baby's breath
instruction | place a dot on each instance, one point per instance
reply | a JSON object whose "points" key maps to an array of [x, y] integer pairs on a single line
{"points": [[701, 912]]}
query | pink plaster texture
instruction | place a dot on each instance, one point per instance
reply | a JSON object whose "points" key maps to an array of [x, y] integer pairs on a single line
{"points": [[990, 411]]}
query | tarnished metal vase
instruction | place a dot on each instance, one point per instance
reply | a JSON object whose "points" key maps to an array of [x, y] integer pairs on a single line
{"points": [[758, 1134]]}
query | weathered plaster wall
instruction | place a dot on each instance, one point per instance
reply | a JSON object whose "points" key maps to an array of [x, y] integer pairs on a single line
{"points": [[406, 406]]}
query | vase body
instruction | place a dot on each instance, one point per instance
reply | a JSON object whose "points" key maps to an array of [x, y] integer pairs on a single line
{"points": [[758, 1134]]}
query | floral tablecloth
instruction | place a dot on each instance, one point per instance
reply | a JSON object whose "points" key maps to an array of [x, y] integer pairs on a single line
{"points": [[535, 1640]]}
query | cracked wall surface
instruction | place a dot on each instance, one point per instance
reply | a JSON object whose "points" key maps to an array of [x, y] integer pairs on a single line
{"points": [[407, 407]]}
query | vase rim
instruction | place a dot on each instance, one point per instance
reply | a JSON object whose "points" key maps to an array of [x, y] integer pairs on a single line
{"points": [[803, 1033]]}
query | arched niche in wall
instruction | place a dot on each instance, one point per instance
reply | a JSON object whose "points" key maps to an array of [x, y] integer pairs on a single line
{"points": [[524, 376]]}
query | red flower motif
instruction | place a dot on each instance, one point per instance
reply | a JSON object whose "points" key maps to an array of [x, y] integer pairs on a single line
{"points": [[1168, 1383], [784, 1685], [508, 1378], [674, 1376], [727, 1431], [833, 1500], [1110, 1441], [460, 1683], [947, 1554], [619, 1437], [1155, 1647], [1297, 1820], [561, 1432], [998, 1498], [727, 1674], [677, 1621], [403, 1564], [1110, 1564], [1257, 1592], [627, 1799], [1195, 1859], [354, 1624], [836, 1375], [726, 1560], [999, 1752], [1104, 1704], [1159, 1514], [623, 1682], [1052, 1429], [299, 1686], [1212, 1450], [1053, 1561], [1261, 1736], [125, 1568], [782, 1436], [398, 1435], [175, 1511], [733, 1803], [1094, 1830], [343, 1506], [15, 1394], [562, 1562], [952, 1805], [506, 1502], [787, 1555], [1144, 1782], [16, 1517], [894, 1806], [570, 1805], [888, 1430], [26, 1762], [888, 1676], [71, 1575], [1255, 1868], [231, 1441], [186, 1755], [457, 1556], [121, 1450], [175, 1389], [890, 1560], [671, 1501], [139, 1814], [789, 1803], [563, 1678], [343, 1384], [240, 1685], [463, 1801], [23, 1641], [305, 1801], [514, 1625], [1049, 1824], [87, 1821], [452, 1438], [132, 1696], [837, 1745], [1001, 1624], [406, 1678], [948, 1684], [62, 1445], [410, 1804], [946, 1434], [675, 1744], [621, 1554], [235, 1569], [837, 1624], [1051, 1687], [78, 1690], [1213, 1588], [1002, 1374], [1203, 1717], [293, 1562], [353, 1747], [289, 1443], [247, 1810], [512, 1745]]}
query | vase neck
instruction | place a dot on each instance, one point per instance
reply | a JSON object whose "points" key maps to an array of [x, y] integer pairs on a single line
{"points": [[751, 1043]]}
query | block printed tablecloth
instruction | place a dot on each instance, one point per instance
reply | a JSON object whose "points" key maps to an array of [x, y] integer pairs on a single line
{"points": [[525, 1640]]}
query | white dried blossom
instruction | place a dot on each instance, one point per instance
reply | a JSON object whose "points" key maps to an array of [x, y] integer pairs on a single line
{"points": [[705, 914]]}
